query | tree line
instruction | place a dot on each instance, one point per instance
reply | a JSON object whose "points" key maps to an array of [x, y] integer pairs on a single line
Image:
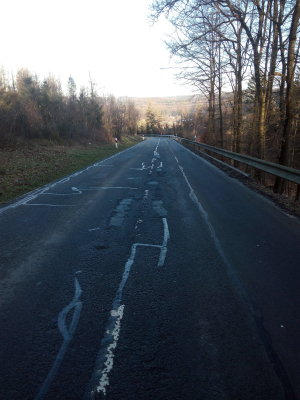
{"points": [[31, 108], [175, 119], [243, 56]]}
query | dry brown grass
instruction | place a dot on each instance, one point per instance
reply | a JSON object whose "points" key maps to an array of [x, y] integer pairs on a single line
{"points": [[27, 166]]}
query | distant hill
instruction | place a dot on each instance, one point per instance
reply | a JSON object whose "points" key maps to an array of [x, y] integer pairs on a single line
{"points": [[170, 108]]}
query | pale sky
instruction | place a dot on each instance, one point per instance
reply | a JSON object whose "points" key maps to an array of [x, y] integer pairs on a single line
{"points": [[112, 40]]}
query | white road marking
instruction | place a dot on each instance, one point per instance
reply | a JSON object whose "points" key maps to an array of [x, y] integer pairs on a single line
{"points": [[57, 194], [139, 221], [215, 239], [67, 334], [74, 189], [140, 169], [110, 187], [155, 151], [157, 246], [77, 191], [164, 249], [237, 182], [155, 156], [48, 205], [104, 380], [105, 359], [195, 199]]}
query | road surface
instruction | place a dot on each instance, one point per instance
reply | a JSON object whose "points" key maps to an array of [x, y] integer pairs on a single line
{"points": [[148, 275]]}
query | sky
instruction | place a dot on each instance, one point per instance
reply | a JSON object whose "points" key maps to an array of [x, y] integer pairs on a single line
{"points": [[111, 41]]}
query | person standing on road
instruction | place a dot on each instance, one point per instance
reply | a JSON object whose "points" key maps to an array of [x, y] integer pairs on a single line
{"points": [[116, 142]]}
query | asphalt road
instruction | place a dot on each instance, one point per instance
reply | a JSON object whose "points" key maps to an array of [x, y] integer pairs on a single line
{"points": [[150, 275]]}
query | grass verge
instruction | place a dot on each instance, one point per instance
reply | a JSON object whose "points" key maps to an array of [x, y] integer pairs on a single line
{"points": [[28, 166]]}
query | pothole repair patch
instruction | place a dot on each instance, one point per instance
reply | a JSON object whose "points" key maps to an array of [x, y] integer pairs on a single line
{"points": [[158, 207], [120, 212]]}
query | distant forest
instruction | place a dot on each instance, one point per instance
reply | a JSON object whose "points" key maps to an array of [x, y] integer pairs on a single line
{"points": [[31, 108]]}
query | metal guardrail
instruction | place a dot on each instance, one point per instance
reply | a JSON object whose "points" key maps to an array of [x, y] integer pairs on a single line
{"points": [[290, 174]]}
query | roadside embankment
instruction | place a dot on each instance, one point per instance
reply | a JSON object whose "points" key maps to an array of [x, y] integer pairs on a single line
{"points": [[26, 166]]}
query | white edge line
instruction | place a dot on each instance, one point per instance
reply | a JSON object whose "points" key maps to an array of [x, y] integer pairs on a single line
{"points": [[226, 176]]}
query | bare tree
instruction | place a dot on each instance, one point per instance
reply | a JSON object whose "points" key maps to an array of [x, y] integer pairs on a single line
{"points": [[250, 40]]}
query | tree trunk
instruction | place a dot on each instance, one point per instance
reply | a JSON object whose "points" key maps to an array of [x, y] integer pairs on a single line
{"points": [[239, 96], [221, 127], [273, 59], [289, 109], [212, 102]]}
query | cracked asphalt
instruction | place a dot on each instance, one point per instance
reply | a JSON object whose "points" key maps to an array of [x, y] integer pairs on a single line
{"points": [[151, 274]]}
